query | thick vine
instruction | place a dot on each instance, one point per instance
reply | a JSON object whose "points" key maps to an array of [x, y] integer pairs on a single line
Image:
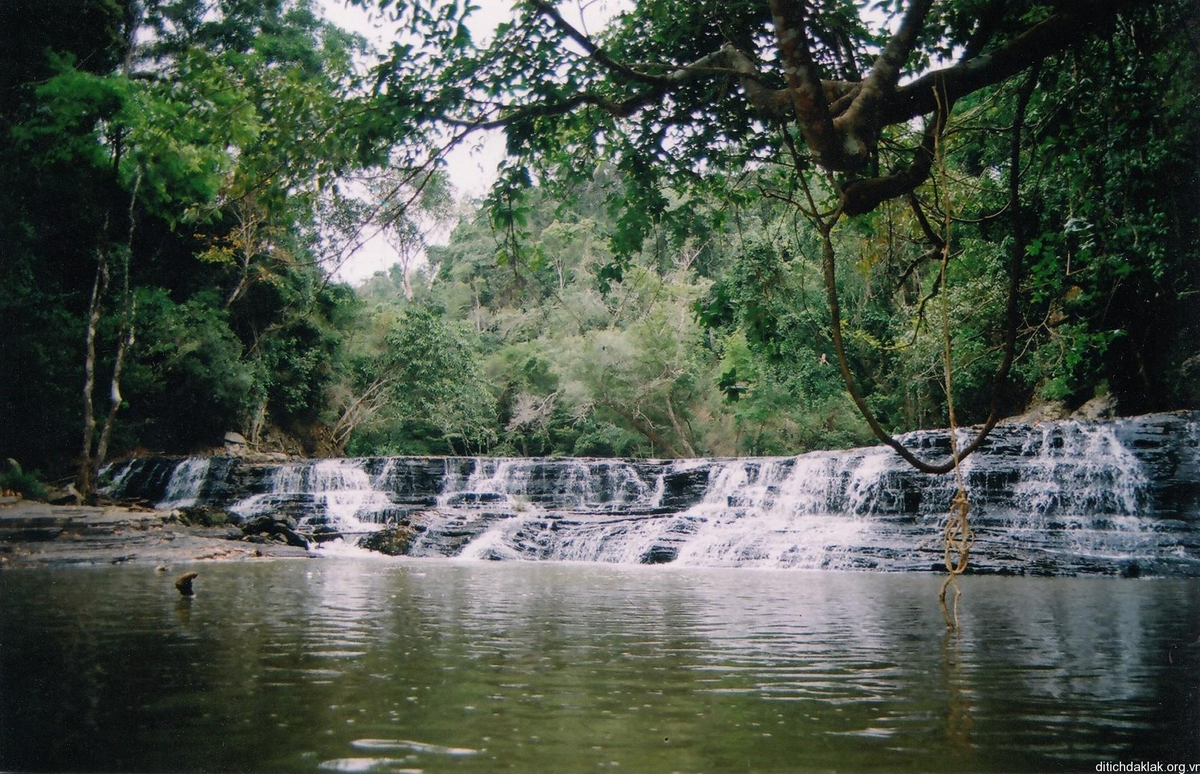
{"points": [[825, 229]]}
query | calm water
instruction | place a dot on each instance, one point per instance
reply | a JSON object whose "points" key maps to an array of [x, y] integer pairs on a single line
{"points": [[381, 665]]}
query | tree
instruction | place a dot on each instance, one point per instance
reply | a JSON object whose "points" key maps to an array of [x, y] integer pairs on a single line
{"points": [[687, 94], [183, 155], [424, 387]]}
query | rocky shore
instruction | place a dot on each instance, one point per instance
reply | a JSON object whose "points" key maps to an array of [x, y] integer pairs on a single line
{"points": [[35, 534]]}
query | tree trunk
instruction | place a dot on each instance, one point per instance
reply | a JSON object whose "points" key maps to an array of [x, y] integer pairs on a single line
{"points": [[114, 405], [85, 481], [679, 429], [89, 466]]}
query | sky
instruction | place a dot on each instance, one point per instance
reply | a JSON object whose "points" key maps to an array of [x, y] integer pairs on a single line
{"points": [[472, 165]]}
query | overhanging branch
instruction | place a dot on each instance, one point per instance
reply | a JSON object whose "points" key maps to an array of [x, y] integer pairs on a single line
{"points": [[1055, 34]]}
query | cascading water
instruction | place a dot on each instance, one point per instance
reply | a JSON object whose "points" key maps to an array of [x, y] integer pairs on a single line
{"points": [[183, 490], [334, 496], [595, 485], [516, 508], [1059, 498]]}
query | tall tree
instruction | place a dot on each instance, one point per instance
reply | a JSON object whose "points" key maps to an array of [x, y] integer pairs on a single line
{"points": [[681, 94], [185, 155]]}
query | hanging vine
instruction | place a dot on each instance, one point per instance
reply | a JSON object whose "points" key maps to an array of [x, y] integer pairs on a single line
{"points": [[957, 537], [825, 223]]}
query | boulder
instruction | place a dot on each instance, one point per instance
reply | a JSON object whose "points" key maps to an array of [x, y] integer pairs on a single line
{"points": [[1100, 407], [1040, 412], [272, 527], [393, 541], [235, 444], [200, 516]]}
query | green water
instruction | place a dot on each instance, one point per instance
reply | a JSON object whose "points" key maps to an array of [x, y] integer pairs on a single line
{"points": [[383, 665]]}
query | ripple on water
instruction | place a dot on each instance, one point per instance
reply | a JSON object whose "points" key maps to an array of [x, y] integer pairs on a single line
{"points": [[393, 765], [408, 744]]}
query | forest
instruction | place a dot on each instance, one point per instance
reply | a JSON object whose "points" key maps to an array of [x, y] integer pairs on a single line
{"points": [[997, 199]]}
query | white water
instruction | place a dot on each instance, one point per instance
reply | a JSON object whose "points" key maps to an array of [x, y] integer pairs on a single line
{"points": [[342, 492], [1086, 484], [183, 490], [784, 515], [1080, 469], [797, 512], [1060, 491], [823, 510], [583, 484]]}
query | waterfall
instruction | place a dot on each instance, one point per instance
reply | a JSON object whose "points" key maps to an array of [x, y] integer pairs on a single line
{"points": [[1083, 482], [1079, 469], [335, 496], [1055, 498], [578, 484], [786, 513], [183, 489]]}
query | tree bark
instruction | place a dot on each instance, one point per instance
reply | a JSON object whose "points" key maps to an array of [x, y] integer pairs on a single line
{"points": [[126, 341], [85, 481]]}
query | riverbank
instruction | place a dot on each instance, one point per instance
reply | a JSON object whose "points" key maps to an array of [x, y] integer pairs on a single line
{"points": [[35, 534]]}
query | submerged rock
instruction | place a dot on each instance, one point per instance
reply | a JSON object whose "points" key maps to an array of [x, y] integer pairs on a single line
{"points": [[184, 583]]}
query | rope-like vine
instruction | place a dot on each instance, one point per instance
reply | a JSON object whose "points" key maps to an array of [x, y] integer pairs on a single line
{"points": [[825, 229], [957, 537]]}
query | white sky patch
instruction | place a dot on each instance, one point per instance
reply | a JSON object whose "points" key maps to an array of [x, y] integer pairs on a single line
{"points": [[472, 164]]}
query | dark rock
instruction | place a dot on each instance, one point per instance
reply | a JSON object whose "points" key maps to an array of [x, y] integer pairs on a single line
{"points": [[271, 527], [30, 534], [393, 541], [660, 554], [184, 583]]}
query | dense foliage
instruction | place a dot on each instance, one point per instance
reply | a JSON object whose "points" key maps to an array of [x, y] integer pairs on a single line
{"points": [[177, 180], [166, 174]]}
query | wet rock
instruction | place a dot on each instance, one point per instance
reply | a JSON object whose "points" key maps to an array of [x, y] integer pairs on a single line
{"points": [[270, 527], [660, 554], [184, 583], [393, 541]]}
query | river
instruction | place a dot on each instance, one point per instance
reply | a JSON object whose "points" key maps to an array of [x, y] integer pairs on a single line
{"points": [[375, 664]]}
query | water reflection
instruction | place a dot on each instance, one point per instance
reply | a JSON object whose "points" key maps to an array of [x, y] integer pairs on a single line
{"points": [[365, 665]]}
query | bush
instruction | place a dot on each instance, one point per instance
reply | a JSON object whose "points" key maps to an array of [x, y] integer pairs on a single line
{"points": [[28, 485]]}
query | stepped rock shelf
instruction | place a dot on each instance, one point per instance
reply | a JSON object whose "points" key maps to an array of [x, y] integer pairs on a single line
{"points": [[1055, 498]]}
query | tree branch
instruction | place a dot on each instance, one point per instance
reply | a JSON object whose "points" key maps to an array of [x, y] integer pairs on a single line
{"points": [[884, 75], [599, 55], [865, 194], [805, 88], [1030, 47]]}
